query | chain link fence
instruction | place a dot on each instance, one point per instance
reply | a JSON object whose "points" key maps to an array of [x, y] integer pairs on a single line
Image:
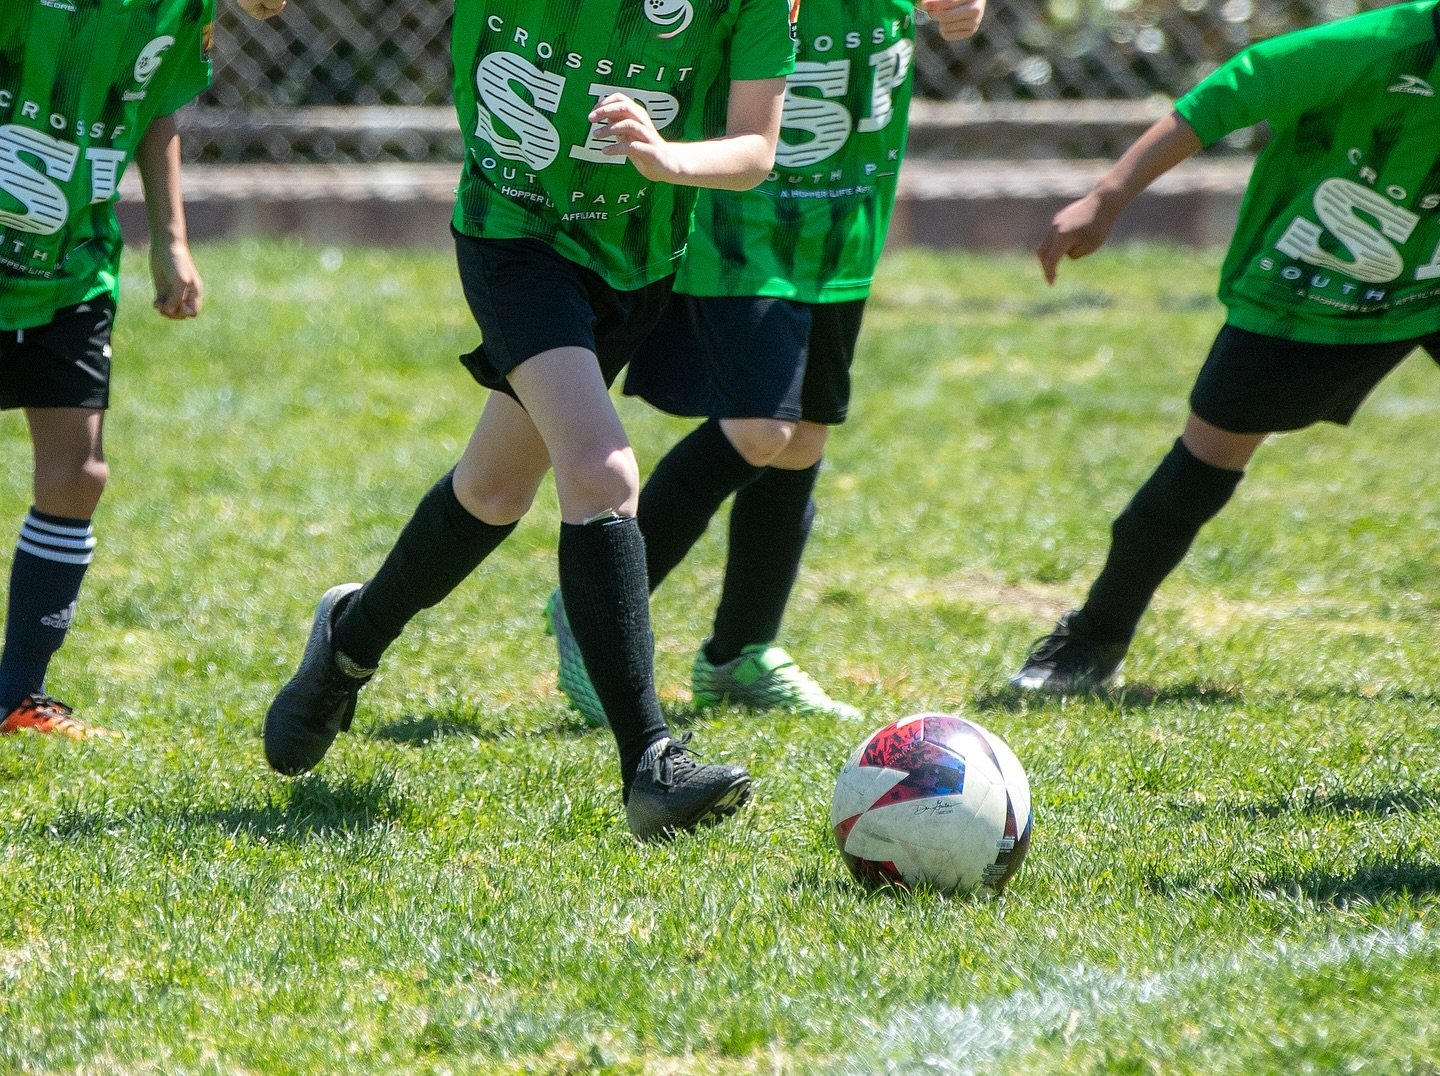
{"points": [[369, 80]]}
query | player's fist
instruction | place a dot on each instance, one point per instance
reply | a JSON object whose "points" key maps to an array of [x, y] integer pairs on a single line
{"points": [[956, 19], [1079, 229], [179, 291], [261, 9]]}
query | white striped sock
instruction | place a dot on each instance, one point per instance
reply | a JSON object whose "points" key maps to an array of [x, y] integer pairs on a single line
{"points": [[65, 543]]}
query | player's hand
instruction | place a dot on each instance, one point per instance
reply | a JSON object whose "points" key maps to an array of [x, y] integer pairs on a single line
{"points": [[1079, 229], [261, 9], [956, 19], [179, 291], [624, 120]]}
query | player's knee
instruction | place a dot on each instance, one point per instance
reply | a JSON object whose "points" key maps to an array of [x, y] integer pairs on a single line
{"points": [[1218, 447], [71, 488], [496, 503], [501, 507], [758, 440], [807, 446], [596, 486]]}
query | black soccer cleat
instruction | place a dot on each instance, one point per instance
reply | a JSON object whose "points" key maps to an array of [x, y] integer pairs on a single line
{"points": [[318, 702], [1065, 662], [673, 793]]}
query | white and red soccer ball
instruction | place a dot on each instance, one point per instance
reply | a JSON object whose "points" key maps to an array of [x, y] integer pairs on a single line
{"points": [[933, 799]]}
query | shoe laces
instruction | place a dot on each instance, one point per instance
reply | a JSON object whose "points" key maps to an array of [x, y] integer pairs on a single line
{"points": [[673, 762], [1047, 646]]}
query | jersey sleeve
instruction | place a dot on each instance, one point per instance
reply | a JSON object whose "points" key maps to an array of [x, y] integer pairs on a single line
{"points": [[1259, 84], [189, 72], [1280, 79], [764, 41]]}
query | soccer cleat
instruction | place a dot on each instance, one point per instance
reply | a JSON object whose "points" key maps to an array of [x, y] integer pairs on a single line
{"points": [[1066, 663], [41, 714], [318, 702], [673, 793], [571, 677], [763, 678]]}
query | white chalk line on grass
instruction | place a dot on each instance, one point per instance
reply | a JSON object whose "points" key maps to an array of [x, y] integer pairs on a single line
{"points": [[946, 1039]]}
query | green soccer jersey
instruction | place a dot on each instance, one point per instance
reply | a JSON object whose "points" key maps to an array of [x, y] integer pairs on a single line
{"points": [[1338, 239], [814, 230], [80, 81], [526, 76]]}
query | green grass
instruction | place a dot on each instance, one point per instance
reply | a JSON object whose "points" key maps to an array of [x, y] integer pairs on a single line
{"points": [[1236, 858]]}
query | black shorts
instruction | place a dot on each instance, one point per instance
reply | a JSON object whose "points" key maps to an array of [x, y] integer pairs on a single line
{"points": [[735, 357], [1252, 383], [64, 363], [527, 299]]}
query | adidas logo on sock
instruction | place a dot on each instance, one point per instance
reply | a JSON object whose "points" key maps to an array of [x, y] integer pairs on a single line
{"points": [[61, 620]]}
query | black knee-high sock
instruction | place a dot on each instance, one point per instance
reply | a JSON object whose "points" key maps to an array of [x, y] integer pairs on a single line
{"points": [[602, 582], [50, 562], [1150, 537], [769, 526], [684, 491], [441, 545]]}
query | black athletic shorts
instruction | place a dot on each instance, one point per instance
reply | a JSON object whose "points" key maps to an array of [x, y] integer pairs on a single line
{"points": [[527, 299], [734, 357], [1252, 383], [64, 363]]}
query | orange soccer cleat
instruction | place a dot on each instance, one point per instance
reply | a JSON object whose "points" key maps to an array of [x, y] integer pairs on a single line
{"points": [[42, 714]]}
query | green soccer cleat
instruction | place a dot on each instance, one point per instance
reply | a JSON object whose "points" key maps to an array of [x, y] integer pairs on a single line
{"points": [[763, 678], [571, 676]]}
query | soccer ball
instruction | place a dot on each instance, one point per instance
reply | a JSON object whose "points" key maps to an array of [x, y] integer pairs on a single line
{"points": [[933, 799]]}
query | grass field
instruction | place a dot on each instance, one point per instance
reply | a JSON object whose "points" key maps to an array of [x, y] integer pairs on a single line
{"points": [[1236, 858]]}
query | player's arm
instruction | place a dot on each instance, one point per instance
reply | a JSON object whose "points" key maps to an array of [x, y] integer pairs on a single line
{"points": [[1084, 225], [955, 19], [178, 287], [739, 159]]}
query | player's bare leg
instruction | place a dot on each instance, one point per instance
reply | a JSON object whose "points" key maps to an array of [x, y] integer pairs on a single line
{"points": [[604, 584], [55, 548], [1210, 444], [458, 523]]}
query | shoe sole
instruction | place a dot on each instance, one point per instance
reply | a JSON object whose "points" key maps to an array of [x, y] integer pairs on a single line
{"points": [[1047, 686], [734, 798], [275, 749], [729, 802]]}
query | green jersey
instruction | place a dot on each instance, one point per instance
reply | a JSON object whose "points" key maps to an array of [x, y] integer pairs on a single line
{"points": [[1338, 239], [80, 81], [528, 74], [814, 230]]}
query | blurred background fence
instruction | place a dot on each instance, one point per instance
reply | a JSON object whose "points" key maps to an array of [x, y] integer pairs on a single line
{"points": [[341, 81]]}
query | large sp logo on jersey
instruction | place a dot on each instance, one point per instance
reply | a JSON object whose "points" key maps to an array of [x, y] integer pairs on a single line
{"points": [[817, 122], [31, 163], [667, 13], [1346, 210], [518, 124]]}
